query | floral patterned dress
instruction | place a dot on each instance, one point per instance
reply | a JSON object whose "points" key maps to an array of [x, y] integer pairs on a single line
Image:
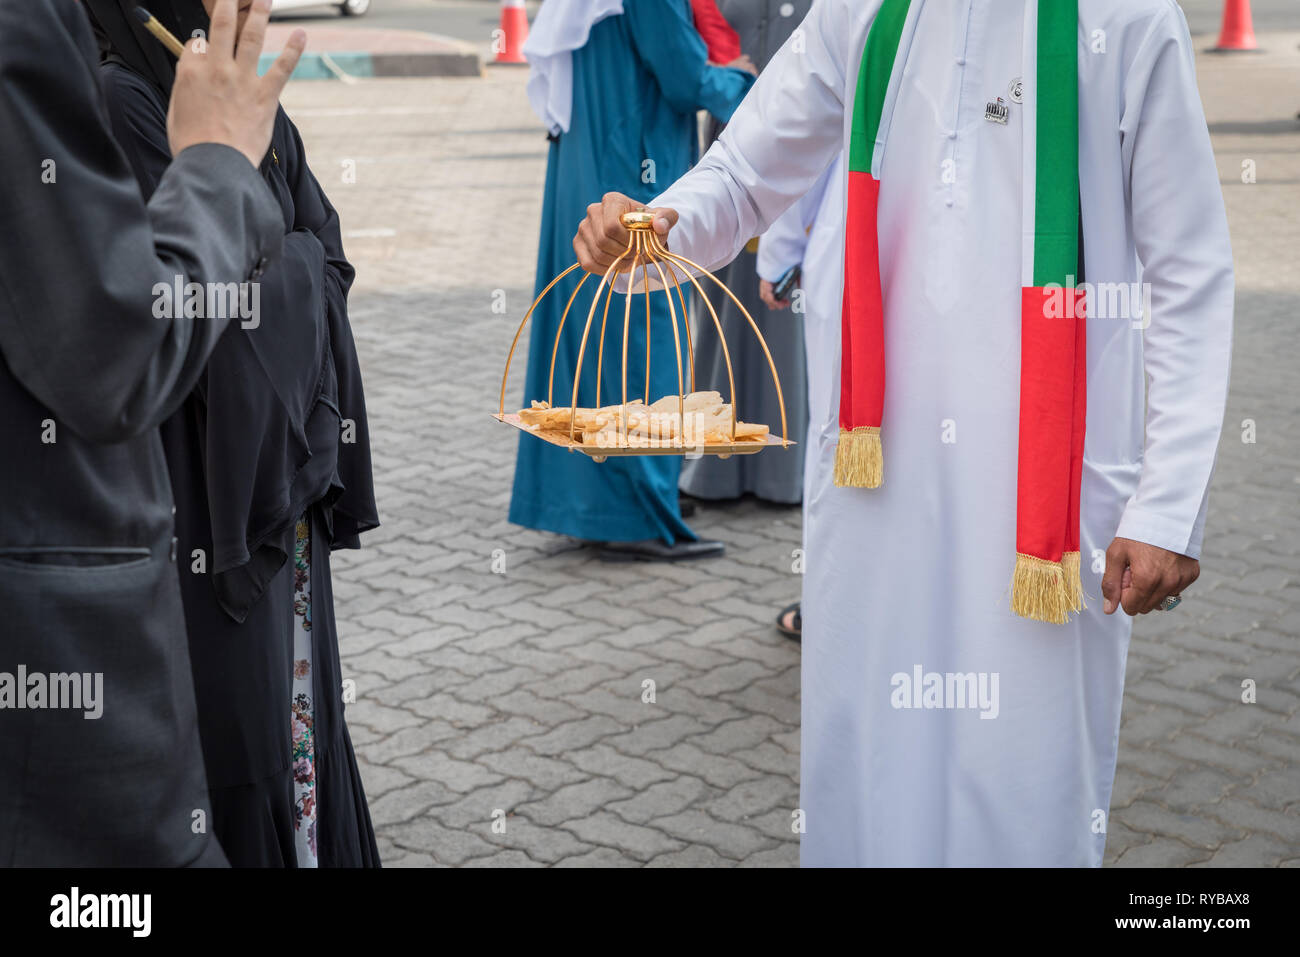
{"points": [[302, 713]]}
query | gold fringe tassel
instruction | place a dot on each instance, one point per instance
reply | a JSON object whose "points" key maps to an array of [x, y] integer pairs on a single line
{"points": [[1038, 590], [858, 459], [1073, 581]]}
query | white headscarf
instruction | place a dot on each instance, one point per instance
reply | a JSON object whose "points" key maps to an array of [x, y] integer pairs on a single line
{"points": [[561, 27]]}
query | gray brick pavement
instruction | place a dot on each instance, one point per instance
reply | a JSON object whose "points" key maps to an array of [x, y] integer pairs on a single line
{"points": [[517, 698]]}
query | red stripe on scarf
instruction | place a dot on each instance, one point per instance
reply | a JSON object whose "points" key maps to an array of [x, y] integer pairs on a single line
{"points": [[1049, 332], [1080, 410], [862, 346]]}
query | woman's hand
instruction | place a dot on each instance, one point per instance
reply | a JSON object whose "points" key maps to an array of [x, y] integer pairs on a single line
{"points": [[218, 96], [743, 62]]}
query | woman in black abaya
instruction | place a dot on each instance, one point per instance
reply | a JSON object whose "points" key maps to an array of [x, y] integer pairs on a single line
{"points": [[270, 470]]}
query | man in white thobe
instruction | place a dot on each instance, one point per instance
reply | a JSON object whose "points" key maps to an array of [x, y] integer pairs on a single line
{"points": [[910, 580]]}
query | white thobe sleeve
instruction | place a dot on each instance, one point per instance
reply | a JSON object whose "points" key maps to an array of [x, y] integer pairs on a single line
{"points": [[781, 138], [782, 246], [1181, 234]]}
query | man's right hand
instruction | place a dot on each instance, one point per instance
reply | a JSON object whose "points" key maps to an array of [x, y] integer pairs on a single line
{"points": [[218, 96], [602, 237]]}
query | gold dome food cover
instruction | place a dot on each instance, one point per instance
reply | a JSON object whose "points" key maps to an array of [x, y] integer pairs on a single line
{"points": [[687, 422]]}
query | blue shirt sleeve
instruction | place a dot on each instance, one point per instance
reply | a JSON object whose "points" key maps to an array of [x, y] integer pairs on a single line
{"points": [[673, 51]]}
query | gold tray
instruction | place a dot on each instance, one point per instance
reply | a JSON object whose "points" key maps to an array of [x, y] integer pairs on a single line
{"points": [[652, 447]]}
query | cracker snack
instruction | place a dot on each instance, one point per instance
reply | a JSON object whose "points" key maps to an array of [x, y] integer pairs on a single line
{"points": [[659, 425]]}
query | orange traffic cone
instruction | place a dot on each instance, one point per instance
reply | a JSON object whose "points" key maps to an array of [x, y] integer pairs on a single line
{"points": [[1238, 33], [508, 41]]}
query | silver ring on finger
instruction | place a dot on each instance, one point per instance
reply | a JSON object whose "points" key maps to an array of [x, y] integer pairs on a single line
{"points": [[1170, 602]]}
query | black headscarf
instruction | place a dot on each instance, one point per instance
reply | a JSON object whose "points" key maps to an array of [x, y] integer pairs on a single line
{"points": [[124, 39]]}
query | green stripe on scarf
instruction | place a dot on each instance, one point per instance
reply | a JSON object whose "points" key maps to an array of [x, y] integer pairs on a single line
{"points": [[1056, 210], [873, 82]]}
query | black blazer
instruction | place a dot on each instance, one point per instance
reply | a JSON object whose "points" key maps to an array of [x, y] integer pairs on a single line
{"points": [[88, 371]]}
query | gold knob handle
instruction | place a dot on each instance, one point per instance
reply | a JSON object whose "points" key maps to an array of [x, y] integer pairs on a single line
{"points": [[638, 219]]}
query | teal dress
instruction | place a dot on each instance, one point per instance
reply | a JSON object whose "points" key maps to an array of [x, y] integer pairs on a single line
{"points": [[637, 85]]}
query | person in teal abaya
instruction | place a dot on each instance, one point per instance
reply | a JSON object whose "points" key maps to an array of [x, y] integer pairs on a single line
{"points": [[618, 84]]}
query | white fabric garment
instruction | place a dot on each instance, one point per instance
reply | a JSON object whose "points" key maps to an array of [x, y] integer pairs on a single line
{"points": [[561, 26], [811, 233], [915, 576]]}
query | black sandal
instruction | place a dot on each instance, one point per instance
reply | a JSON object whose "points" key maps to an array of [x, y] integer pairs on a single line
{"points": [[793, 633]]}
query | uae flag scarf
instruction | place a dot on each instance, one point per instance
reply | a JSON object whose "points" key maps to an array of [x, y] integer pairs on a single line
{"points": [[1045, 584]]}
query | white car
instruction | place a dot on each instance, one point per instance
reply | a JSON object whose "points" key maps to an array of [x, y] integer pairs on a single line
{"points": [[349, 8]]}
